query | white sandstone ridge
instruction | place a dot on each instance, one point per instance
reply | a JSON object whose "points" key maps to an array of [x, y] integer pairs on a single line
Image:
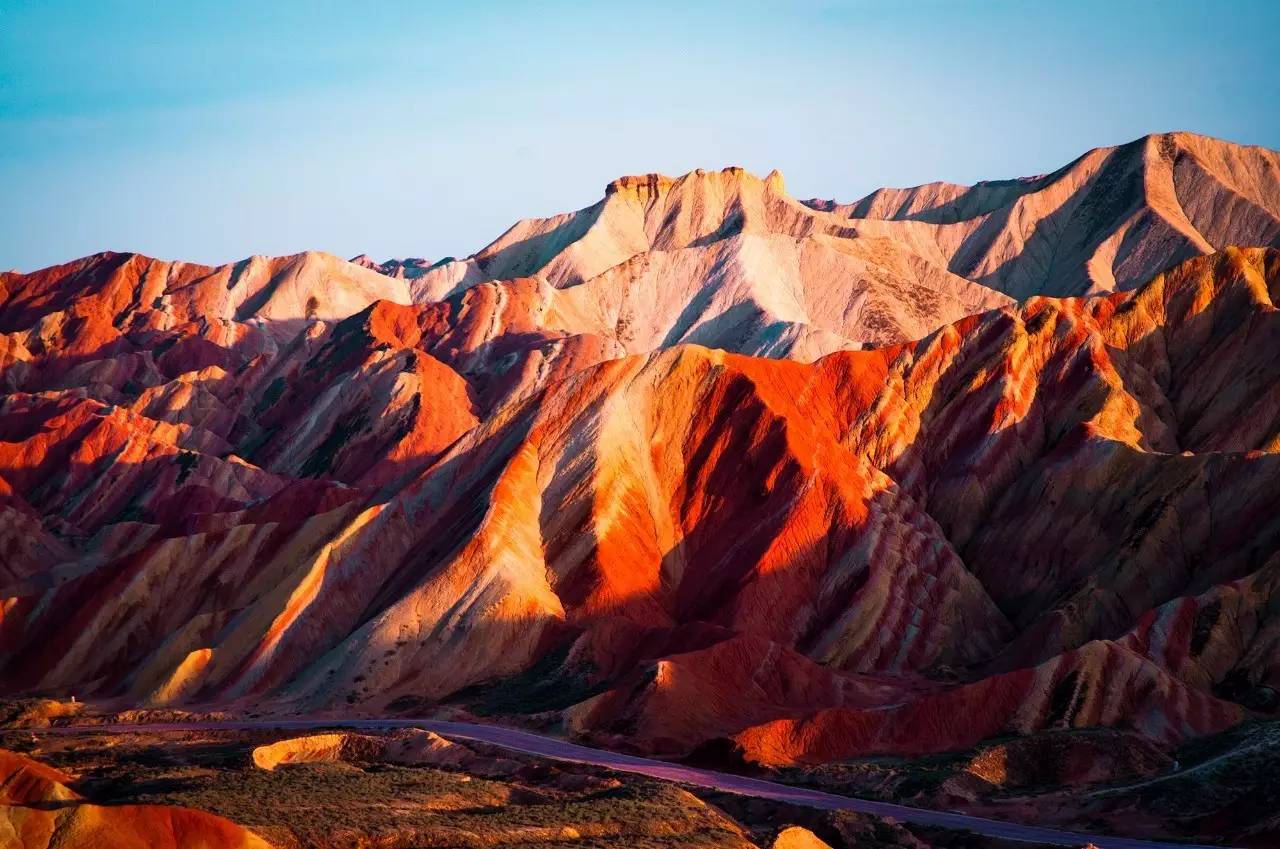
{"points": [[310, 285], [1110, 220], [730, 260], [723, 259]]}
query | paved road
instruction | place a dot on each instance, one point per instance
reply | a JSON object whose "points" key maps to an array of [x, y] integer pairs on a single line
{"points": [[550, 747]]}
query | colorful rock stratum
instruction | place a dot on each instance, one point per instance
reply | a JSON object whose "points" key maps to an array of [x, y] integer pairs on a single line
{"points": [[698, 470]]}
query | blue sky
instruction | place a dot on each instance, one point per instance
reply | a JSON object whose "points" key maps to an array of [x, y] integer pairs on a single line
{"points": [[212, 131]]}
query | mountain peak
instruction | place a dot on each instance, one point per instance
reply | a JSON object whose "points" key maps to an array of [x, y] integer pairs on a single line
{"points": [[640, 184], [652, 185]]}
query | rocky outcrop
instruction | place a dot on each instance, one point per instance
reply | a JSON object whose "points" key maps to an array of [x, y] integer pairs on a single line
{"points": [[797, 837], [410, 747], [1097, 685], [1072, 759], [318, 748], [39, 811], [400, 268]]}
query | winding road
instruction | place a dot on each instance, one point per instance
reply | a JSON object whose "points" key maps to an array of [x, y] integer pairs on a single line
{"points": [[550, 747]]}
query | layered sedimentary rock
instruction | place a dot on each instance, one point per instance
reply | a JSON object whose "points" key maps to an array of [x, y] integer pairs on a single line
{"points": [[722, 259], [1055, 513], [858, 544], [1109, 220], [729, 260]]}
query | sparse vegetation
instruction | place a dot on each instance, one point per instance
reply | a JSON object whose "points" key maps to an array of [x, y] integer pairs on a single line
{"points": [[344, 805]]}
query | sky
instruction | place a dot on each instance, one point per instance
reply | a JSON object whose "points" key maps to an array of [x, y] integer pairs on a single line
{"points": [[213, 131]]}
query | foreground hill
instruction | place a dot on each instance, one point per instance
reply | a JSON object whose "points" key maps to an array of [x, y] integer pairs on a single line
{"points": [[38, 810], [167, 789], [1055, 514]]}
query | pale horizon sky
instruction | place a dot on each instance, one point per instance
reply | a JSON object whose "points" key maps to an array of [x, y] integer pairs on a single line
{"points": [[209, 132]]}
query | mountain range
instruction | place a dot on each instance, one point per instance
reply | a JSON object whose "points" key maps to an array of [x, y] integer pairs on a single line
{"points": [[700, 468]]}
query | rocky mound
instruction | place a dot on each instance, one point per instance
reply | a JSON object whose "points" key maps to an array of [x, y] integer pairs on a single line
{"points": [[798, 837], [411, 747], [318, 748], [39, 811], [1055, 760]]}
